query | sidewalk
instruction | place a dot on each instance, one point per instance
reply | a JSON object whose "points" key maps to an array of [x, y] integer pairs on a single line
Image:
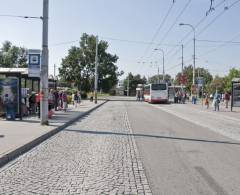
{"points": [[16, 137], [222, 111], [224, 122]]}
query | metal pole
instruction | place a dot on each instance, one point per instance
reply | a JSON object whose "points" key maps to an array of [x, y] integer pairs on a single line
{"points": [[44, 66], [194, 51], [182, 69], [20, 96], [194, 55], [182, 60], [163, 67], [96, 71], [158, 76], [232, 97], [128, 86], [54, 74]]}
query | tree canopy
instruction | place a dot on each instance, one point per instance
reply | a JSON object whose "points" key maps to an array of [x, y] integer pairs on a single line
{"points": [[156, 78], [228, 79], [78, 66], [12, 56], [188, 74], [133, 81]]}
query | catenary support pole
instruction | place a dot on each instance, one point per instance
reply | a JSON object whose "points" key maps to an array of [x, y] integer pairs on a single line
{"points": [[96, 72], [54, 74], [128, 86], [44, 66], [182, 60]]}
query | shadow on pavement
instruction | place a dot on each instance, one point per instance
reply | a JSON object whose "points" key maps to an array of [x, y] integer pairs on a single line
{"points": [[153, 136]]}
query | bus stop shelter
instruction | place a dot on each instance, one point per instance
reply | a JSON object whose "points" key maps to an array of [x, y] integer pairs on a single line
{"points": [[235, 98], [24, 81]]}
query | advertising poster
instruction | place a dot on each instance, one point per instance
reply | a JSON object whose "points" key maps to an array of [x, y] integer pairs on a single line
{"points": [[9, 95], [236, 94]]}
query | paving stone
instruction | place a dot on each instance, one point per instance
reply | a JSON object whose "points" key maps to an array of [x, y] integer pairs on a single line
{"points": [[93, 156]]}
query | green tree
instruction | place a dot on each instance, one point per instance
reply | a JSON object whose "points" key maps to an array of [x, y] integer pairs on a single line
{"points": [[228, 79], [188, 73], [217, 84], [12, 56], [134, 80], [78, 66], [156, 78]]}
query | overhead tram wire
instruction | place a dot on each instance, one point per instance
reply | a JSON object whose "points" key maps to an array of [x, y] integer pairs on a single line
{"points": [[190, 32], [207, 26], [159, 28], [171, 27], [64, 43], [220, 14], [222, 45], [212, 50], [217, 41], [135, 41], [173, 24], [115, 39], [17, 16]]}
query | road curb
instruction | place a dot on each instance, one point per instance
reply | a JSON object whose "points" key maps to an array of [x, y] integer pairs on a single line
{"points": [[23, 149]]}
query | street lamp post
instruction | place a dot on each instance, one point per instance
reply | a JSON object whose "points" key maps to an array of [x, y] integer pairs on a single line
{"points": [[163, 62], [194, 48]]}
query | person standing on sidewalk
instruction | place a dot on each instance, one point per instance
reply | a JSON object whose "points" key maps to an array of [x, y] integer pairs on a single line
{"points": [[73, 96], [64, 100], [226, 99], [216, 101], [56, 100], [75, 100], [207, 100]]}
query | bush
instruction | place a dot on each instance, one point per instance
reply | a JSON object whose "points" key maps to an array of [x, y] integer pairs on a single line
{"points": [[112, 92], [70, 91]]}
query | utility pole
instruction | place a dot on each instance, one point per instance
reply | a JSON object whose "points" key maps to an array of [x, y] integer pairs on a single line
{"points": [[158, 73], [182, 59], [128, 86], [96, 71], [54, 73], [194, 52], [163, 68], [194, 55], [163, 62], [182, 79], [44, 66]]}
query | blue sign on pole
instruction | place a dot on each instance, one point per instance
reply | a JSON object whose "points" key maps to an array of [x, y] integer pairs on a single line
{"points": [[34, 61]]}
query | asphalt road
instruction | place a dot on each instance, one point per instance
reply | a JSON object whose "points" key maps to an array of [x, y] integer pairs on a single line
{"points": [[181, 157]]}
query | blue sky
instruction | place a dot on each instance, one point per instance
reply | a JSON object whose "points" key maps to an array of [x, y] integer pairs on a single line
{"points": [[135, 20]]}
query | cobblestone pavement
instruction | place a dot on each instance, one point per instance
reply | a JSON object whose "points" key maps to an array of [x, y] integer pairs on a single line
{"points": [[93, 156], [214, 121]]}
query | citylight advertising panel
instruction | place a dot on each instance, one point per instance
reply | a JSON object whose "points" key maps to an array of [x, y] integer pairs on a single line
{"points": [[236, 94], [9, 95]]}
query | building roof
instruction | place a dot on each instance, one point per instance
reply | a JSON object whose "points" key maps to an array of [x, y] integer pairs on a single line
{"points": [[14, 70], [236, 80]]}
